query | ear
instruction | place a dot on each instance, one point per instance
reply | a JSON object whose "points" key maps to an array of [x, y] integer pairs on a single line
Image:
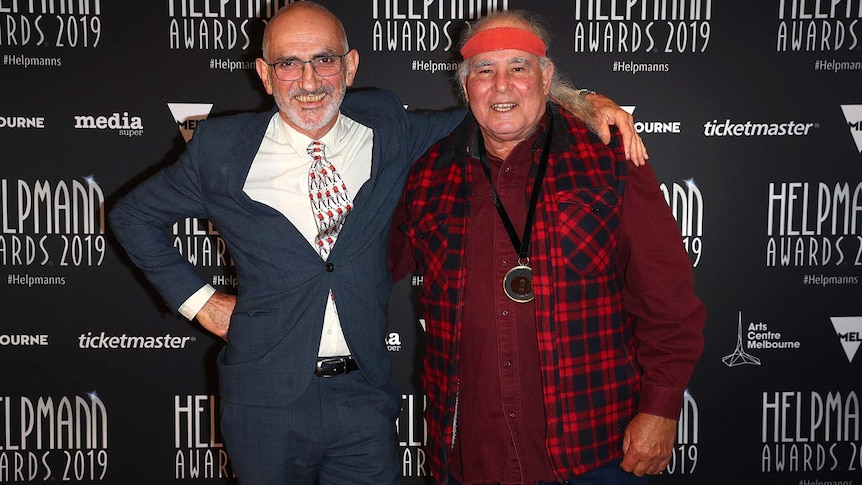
{"points": [[263, 72], [351, 64], [547, 76]]}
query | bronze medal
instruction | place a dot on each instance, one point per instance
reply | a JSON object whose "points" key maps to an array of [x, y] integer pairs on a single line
{"points": [[518, 284]]}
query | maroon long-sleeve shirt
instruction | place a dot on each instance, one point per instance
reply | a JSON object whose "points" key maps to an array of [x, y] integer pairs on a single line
{"points": [[616, 327]]}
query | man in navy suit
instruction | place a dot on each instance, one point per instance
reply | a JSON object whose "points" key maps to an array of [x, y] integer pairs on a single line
{"points": [[303, 312]]}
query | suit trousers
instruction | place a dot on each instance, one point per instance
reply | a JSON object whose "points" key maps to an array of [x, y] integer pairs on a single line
{"points": [[341, 430]]}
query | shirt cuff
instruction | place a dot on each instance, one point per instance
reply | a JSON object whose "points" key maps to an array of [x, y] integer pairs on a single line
{"points": [[194, 303], [661, 401]]}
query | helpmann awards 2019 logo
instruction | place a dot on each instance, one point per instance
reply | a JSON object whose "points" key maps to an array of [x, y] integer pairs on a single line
{"points": [[224, 25], [429, 26], [815, 26], [51, 223], [53, 438], [815, 225], [810, 431], [608, 26], [52, 24], [200, 451]]}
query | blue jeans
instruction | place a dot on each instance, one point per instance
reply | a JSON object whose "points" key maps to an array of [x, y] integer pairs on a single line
{"points": [[609, 474]]}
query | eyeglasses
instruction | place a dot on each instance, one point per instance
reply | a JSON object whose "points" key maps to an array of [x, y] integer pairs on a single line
{"points": [[292, 68]]}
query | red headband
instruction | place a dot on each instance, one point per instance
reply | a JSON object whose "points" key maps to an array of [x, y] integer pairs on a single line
{"points": [[500, 38]]}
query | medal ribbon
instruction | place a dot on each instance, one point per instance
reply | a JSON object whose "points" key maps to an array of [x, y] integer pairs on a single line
{"points": [[521, 245]]}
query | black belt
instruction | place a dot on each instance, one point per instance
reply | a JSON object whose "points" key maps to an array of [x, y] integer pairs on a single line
{"points": [[335, 366]]}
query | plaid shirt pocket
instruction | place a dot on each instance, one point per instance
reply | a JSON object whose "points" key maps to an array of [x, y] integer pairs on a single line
{"points": [[429, 238], [589, 221]]}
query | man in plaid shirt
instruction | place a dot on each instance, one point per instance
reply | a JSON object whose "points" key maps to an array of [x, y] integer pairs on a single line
{"points": [[562, 324]]}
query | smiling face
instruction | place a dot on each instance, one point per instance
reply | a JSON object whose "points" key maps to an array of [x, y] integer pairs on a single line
{"points": [[309, 104], [506, 90]]}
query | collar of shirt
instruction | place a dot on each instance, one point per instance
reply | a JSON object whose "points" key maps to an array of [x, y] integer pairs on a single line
{"points": [[536, 138], [285, 134], [278, 176]]}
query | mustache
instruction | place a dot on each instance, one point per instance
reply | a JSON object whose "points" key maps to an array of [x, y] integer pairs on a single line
{"points": [[320, 90]]}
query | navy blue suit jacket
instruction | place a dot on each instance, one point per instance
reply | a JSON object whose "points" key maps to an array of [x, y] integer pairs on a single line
{"points": [[275, 329]]}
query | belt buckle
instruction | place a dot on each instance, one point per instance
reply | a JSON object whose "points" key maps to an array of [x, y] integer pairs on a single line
{"points": [[332, 366]]}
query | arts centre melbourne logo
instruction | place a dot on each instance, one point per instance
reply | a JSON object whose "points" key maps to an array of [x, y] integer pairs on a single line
{"points": [[754, 337], [853, 115]]}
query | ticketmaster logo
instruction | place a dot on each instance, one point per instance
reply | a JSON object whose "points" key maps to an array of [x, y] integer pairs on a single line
{"points": [[102, 340], [187, 116], [751, 128], [853, 115]]}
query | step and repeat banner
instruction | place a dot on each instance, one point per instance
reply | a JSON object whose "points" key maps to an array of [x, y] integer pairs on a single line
{"points": [[752, 113]]}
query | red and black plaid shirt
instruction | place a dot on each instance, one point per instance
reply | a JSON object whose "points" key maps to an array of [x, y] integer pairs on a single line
{"points": [[619, 326]]}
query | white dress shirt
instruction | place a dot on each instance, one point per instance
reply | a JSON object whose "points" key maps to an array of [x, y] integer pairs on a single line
{"points": [[279, 178]]}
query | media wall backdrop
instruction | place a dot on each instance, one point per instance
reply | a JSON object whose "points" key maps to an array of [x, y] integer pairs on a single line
{"points": [[751, 110]]}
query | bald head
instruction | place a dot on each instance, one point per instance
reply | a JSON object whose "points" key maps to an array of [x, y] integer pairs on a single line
{"points": [[298, 16]]}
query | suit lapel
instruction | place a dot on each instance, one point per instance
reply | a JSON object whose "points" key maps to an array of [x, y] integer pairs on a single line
{"points": [[367, 201], [370, 117], [243, 150]]}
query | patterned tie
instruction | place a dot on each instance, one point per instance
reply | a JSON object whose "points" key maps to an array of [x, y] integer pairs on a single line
{"points": [[330, 200]]}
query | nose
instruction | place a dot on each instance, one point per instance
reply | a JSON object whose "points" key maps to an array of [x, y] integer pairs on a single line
{"points": [[309, 80], [502, 81]]}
